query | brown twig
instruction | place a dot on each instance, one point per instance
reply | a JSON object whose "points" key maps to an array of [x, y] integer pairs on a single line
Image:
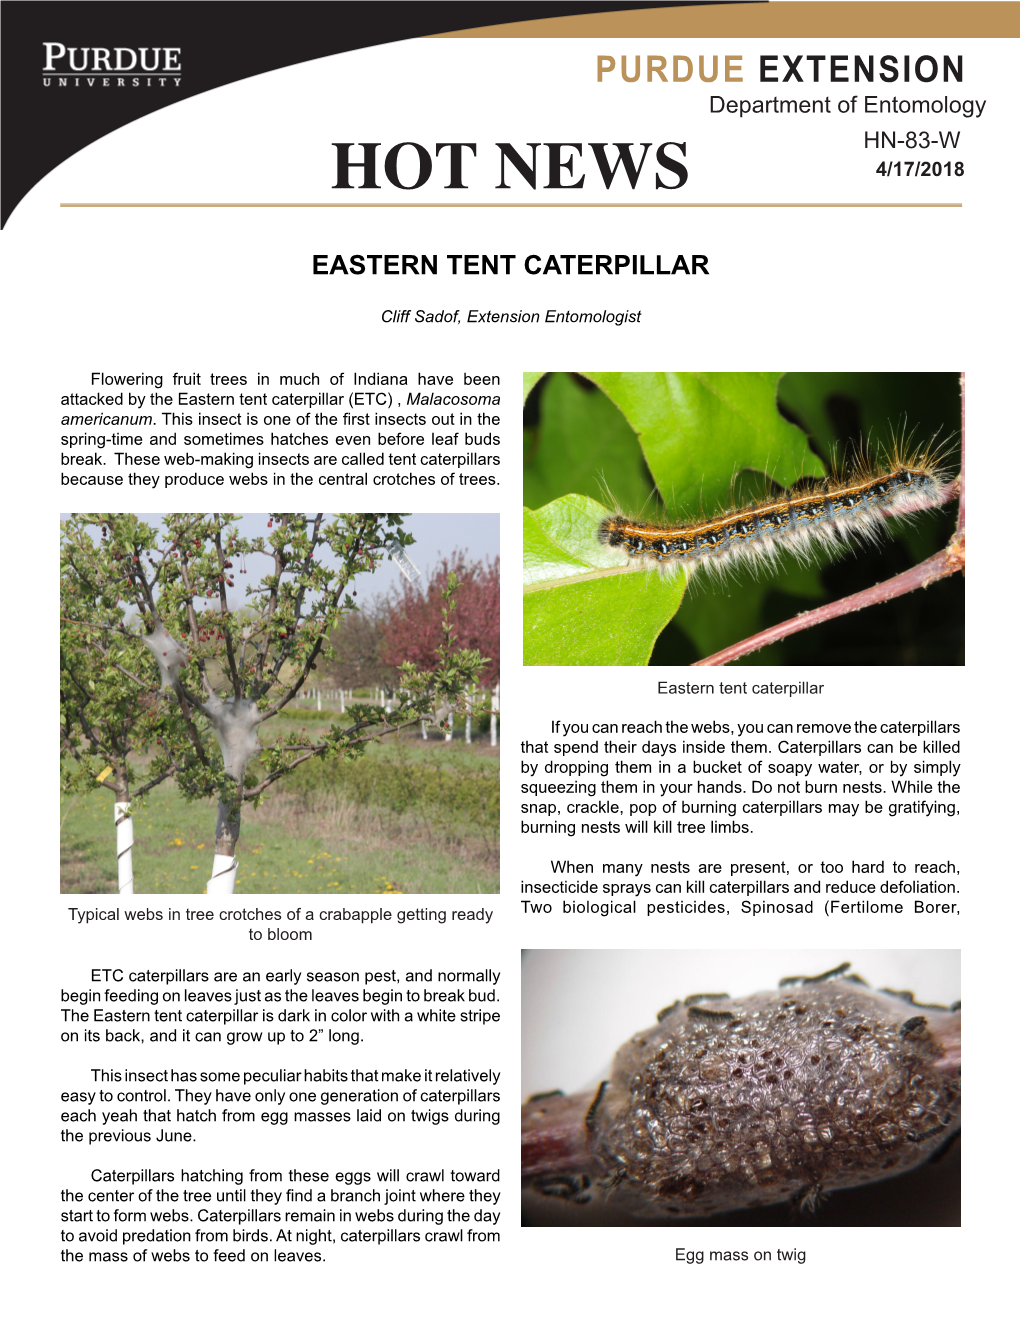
{"points": [[250, 794], [106, 627], [232, 667]]}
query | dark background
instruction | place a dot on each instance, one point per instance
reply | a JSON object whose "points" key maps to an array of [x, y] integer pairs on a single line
{"points": [[221, 42]]}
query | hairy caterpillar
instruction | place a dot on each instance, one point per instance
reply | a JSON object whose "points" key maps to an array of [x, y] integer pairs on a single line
{"points": [[841, 508]]}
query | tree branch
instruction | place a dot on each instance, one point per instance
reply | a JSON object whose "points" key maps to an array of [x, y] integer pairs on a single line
{"points": [[330, 605], [221, 559], [184, 702], [147, 687], [302, 674], [944, 564], [143, 581], [259, 687], [250, 794], [195, 637], [299, 598], [106, 627], [138, 792]]}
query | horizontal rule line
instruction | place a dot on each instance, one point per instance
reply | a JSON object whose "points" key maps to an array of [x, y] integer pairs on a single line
{"points": [[547, 206]]}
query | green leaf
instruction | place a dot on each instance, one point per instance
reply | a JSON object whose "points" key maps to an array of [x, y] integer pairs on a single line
{"points": [[581, 606], [583, 445], [531, 379], [698, 430]]}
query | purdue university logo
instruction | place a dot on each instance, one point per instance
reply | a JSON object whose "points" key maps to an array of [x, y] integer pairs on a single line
{"points": [[106, 66]]}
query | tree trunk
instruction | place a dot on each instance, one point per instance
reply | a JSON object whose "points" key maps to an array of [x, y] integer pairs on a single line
{"points": [[125, 838], [235, 723], [228, 831]]}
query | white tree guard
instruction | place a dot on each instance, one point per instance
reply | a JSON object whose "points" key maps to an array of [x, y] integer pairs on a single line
{"points": [[224, 871], [125, 843], [235, 723]]}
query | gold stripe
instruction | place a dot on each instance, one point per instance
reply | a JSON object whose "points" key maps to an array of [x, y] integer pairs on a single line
{"points": [[789, 506], [871, 18]]}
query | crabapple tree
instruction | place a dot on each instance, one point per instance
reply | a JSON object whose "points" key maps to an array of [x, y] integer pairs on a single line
{"points": [[230, 669]]}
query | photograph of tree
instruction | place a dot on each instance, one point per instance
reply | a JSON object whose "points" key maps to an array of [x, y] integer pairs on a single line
{"points": [[260, 725]]}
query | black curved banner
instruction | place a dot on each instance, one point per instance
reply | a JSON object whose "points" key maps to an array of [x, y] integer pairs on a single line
{"points": [[73, 72]]}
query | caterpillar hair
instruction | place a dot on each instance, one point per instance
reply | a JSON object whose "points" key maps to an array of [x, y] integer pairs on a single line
{"points": [[849, 506]]}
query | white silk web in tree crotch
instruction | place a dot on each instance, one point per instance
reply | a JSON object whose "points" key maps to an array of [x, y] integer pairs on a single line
{"points": [[170, 654]]}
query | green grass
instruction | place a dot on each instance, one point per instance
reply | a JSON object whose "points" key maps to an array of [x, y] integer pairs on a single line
{"points": [[409, 817]]}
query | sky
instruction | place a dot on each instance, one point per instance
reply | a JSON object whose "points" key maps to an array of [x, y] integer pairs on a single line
{"points": [[435, 535]]}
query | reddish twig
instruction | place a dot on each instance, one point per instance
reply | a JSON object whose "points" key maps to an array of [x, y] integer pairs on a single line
{"points": [[944, 564]]}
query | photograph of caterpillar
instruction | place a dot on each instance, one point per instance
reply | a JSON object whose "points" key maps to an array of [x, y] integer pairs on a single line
{"points": [[800, 1100], [678, 518]]}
